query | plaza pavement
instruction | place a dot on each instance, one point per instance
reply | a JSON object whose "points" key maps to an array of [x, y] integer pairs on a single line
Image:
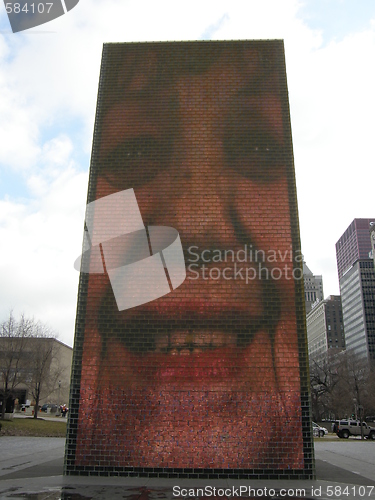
{"points": [[31, 468]]}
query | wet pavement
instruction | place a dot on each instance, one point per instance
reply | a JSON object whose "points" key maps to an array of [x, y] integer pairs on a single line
{"points": [[31, 468]]}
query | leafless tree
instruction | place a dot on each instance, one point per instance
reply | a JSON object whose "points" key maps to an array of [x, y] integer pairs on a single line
{"points": [[323, 381], [14, 337], [341, 385], [356, 376], [371, 390], [29, 355], [44, 368]]}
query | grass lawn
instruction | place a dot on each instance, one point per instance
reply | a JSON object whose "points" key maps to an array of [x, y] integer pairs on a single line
{"points": [[33, 427]]}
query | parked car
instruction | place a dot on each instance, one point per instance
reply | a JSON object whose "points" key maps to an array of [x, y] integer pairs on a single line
{"points": [[319, 431], [49, 406], [346, 428]]}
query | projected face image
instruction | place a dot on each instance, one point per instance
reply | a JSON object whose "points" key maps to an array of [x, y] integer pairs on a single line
{"points": [[206, 376]]}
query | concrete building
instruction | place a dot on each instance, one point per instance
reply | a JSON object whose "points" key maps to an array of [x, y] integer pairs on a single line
{"points": [[47, 358], [313, 288], [357, 287], [325, 328]]}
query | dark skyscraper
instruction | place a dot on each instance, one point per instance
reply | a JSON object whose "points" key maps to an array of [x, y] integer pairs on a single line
{"points": [[357, 287], [354, 244]]}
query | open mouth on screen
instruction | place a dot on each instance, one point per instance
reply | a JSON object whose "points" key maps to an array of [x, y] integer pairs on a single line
{"points": [[186, 327]]}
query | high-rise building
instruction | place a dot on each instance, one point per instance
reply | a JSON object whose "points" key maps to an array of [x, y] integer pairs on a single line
{"points": [[358, 305], [372, 235], [325, 327], [354, 244], [313, 288], [357, 287]]}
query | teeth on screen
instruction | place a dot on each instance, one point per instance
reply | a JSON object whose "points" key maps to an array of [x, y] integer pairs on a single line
{"points": [[184, 343], [184, 352]]}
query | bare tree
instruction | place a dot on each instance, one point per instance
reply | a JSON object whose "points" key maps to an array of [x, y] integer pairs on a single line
{"points": [[342, 398], [29, 355], [356, 374], [14, 337], [323, 381], [341, 385], [44, 368], [371, 390]]}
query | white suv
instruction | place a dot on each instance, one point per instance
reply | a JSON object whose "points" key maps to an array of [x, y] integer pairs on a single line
{"points": [[346, 428]]}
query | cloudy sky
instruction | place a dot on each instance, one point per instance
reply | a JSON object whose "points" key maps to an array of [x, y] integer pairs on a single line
{"points": [[48, 86]]}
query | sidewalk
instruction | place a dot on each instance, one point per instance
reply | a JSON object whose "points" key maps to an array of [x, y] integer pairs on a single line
{"points": [[43, 415], [31, 468]]}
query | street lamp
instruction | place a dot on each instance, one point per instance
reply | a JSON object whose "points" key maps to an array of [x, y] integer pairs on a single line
{"points": [[58, 399], [360, 408]]}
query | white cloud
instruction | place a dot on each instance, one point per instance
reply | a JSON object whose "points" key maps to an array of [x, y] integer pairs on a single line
{"points": [[40, 241], [48, 91], [18, 132], [332, 114]]}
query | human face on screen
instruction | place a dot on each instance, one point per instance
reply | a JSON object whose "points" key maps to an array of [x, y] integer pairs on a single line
{"points": [[205, 154]]}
